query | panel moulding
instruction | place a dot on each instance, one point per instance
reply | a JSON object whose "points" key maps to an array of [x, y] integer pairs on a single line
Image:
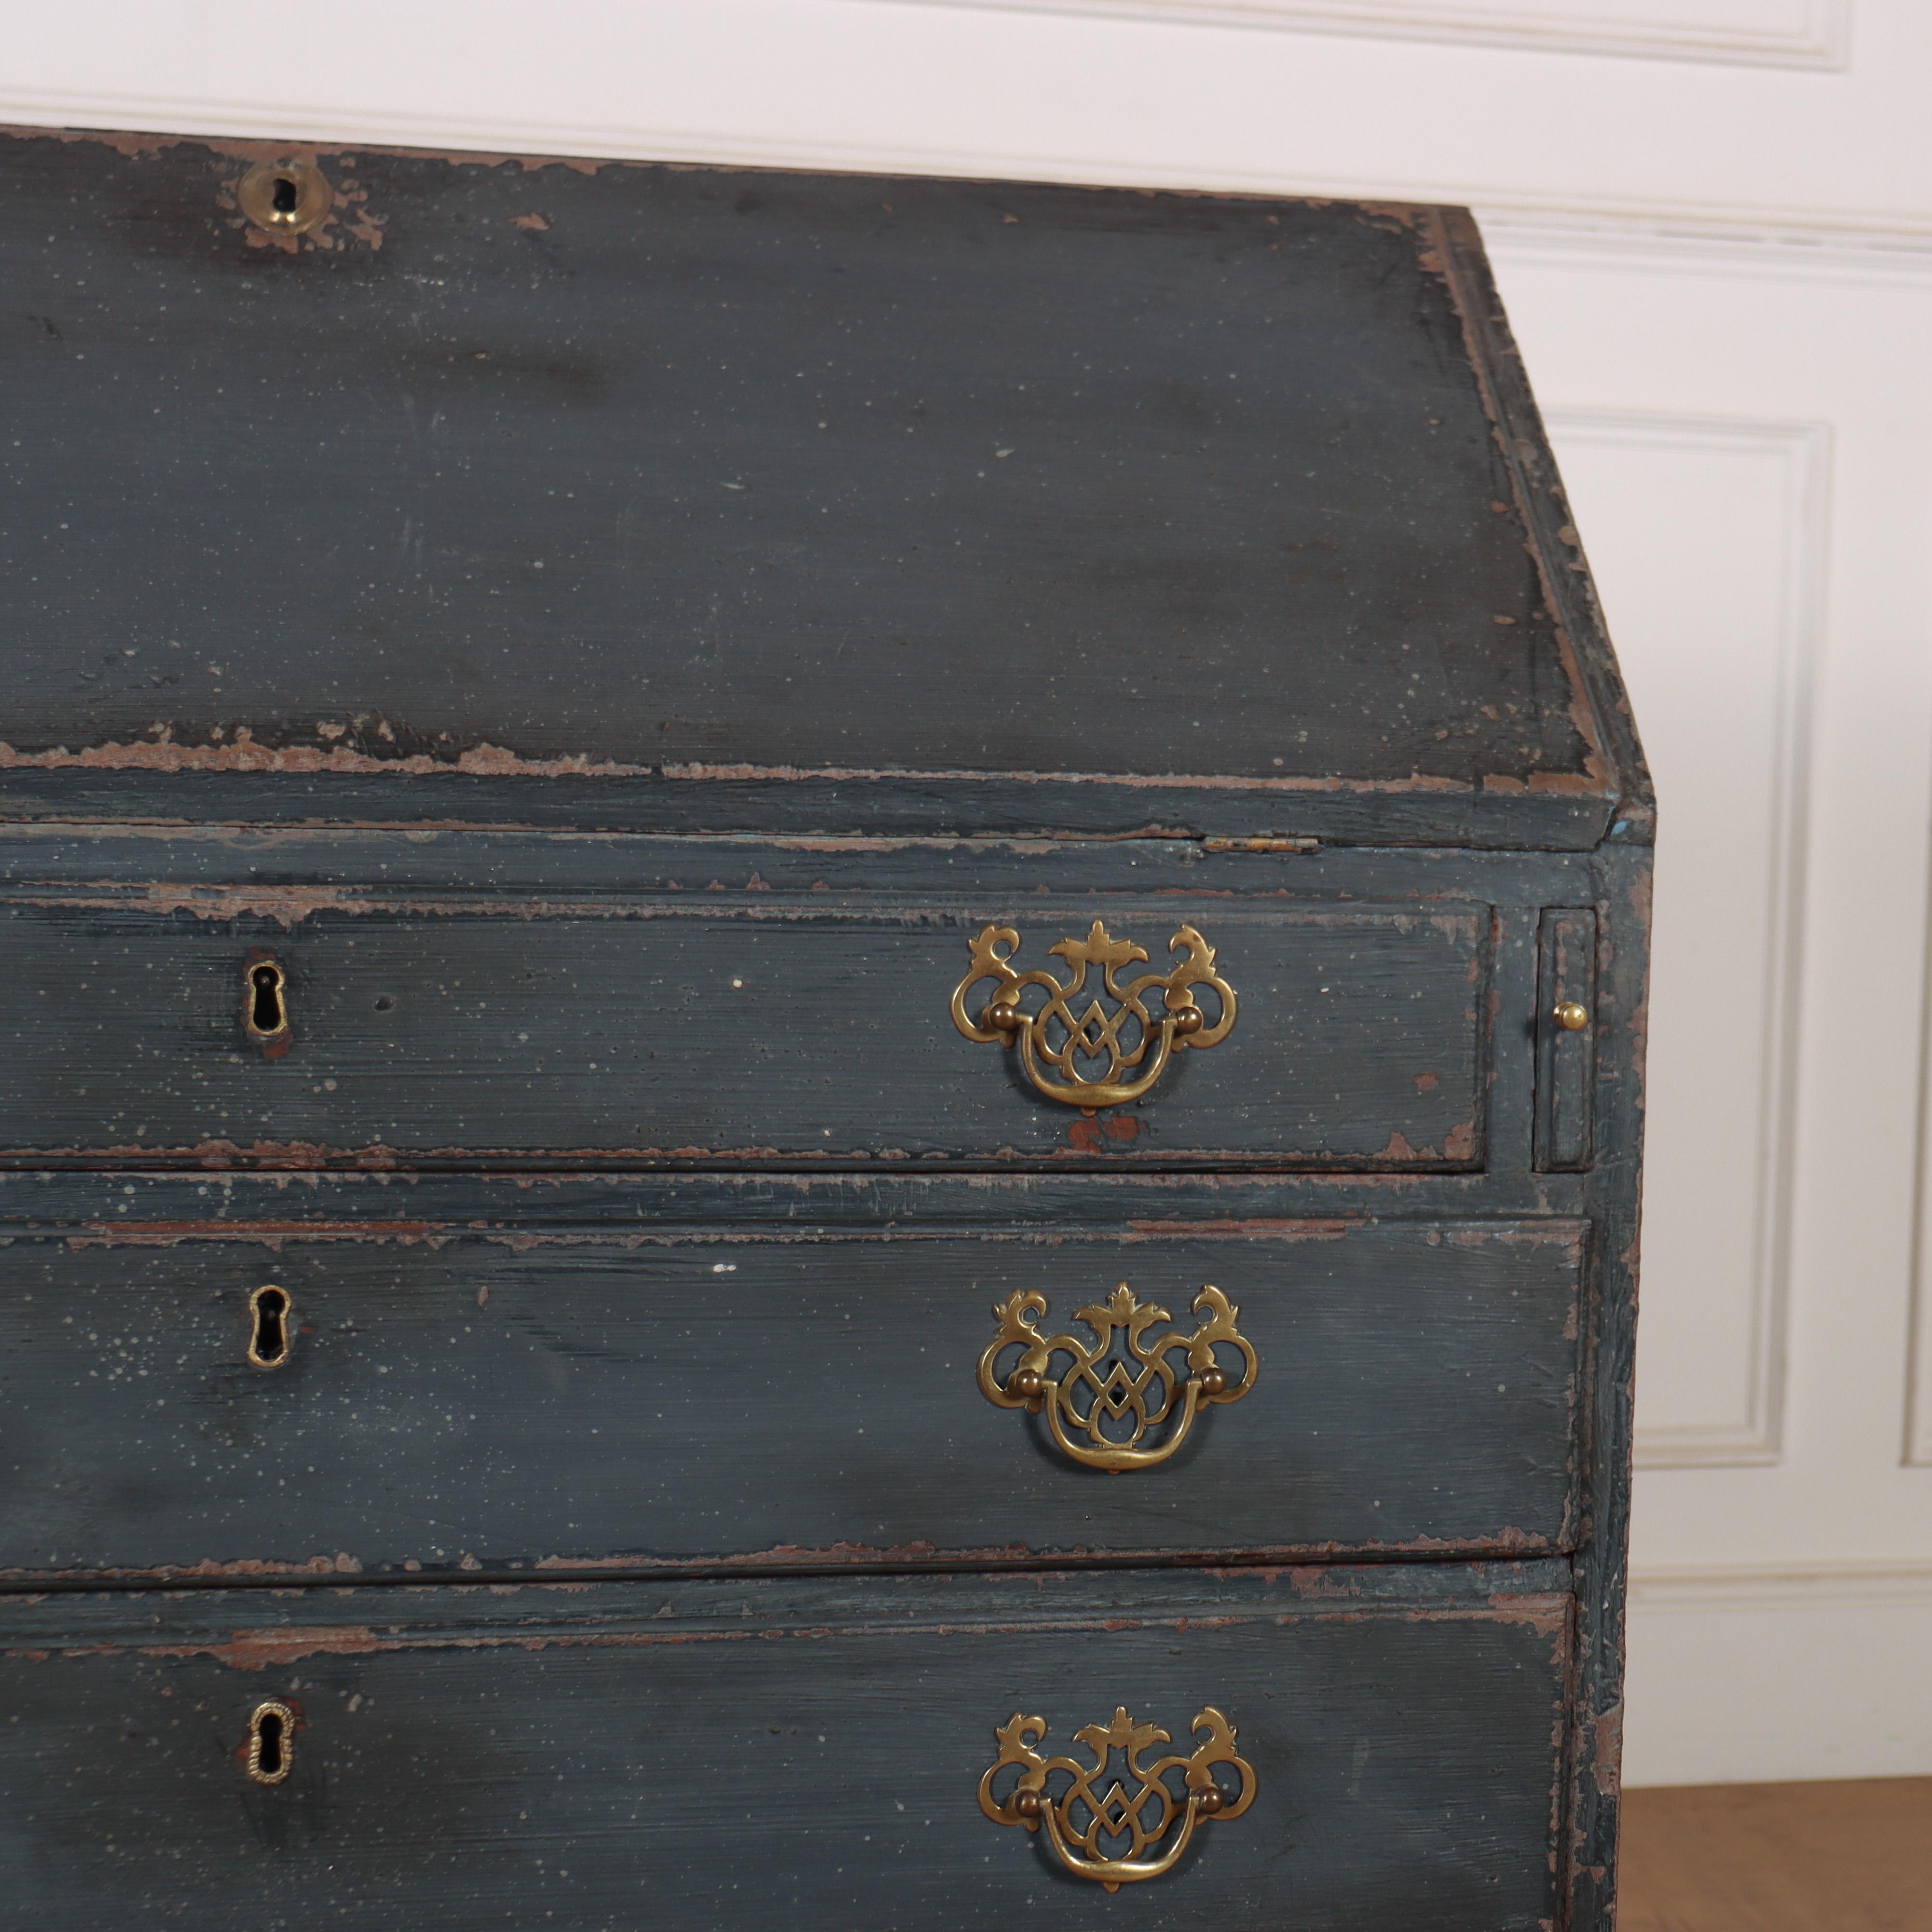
{"points": [[1637, 241], [1619, 232], [1813, 33], [1918, 1386], [1726, 1588], [1803, 449]]}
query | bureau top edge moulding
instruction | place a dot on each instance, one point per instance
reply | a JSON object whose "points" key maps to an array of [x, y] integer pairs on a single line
{"points": [[464, 490]]}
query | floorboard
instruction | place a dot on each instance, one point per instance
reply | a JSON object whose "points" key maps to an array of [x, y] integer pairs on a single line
{"points": [[1852, 1855]]}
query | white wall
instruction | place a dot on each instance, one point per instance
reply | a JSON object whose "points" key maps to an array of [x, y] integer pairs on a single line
{"points": [[1713, 223]]}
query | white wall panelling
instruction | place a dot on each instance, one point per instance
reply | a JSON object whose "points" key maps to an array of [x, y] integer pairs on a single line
{"points": [[1790, 1586], [1918, 1406], [1784, 33], [1711, 538], [884, 85], [1776, 1623], [1833, 1681], [1712, 223]]}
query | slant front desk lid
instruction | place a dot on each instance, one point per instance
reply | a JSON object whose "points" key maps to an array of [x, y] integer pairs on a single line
{"points": [[389, 488]]}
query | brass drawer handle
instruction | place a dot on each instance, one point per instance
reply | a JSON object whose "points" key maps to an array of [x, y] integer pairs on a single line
{"points": [[1097, 1400], [1032, 1803], [1056, 1037]]}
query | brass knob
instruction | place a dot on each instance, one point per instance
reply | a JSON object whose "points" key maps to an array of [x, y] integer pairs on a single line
{"points": [[1572, 1018]]}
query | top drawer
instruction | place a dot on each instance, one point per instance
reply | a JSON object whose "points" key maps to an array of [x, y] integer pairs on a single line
{"points": [[736, 1029]]}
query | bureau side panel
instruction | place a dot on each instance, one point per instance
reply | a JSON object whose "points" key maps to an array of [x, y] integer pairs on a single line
{"points": [[1615, 1190]]}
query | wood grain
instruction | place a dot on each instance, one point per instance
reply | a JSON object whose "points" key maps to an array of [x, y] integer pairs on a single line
{"points": [[1850, 1856], [751, 477], [772, 1756], [556, 1399], [765, 1027], [925, 555]]}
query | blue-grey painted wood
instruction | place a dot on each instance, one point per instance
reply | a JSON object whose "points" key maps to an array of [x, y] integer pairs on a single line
{"points": [[774, 1755], [1565, 1055], [556, 1399], [730, 1028], [1278, 550], [718, 500], [357, 866]]}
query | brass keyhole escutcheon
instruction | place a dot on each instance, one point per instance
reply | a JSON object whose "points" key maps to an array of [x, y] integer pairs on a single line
{"points": [[265, 1004], [266, 1014], [272, 1742], [285, 197], [269, 1341]]}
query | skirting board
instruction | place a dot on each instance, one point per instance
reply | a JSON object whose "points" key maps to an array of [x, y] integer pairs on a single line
{"points": [[1749, 1675]]}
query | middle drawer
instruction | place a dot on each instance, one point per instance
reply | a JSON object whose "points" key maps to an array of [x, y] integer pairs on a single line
{"points": [[349, 1401]]}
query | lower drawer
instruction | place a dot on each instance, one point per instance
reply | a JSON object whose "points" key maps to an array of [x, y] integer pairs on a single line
{"points": [[444, 1401], [773, 1754]]}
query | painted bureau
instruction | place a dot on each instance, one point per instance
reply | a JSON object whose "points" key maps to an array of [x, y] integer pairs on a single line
{"points": [[824, 1005]]}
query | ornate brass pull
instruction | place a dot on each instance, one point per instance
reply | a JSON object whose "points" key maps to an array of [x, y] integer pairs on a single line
{"points": [[1031, 1801], [1114, 1405], [1056, 1036]]}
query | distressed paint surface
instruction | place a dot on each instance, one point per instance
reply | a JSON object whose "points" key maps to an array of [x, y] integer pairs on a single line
{"points": [[1073, 484], [564, 1401], [778, 1755], [722, 1030], [271, 555]]}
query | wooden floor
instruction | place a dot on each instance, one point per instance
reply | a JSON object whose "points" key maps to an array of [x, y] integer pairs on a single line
{"points": [[1855, 1856]]}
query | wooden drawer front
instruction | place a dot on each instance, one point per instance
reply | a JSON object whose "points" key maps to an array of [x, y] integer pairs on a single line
{"points": [[763, 1757], [755, 1029], [562, 1401]]}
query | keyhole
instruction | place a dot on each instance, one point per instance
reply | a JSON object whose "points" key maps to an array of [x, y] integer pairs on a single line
{"points": [[267, 981], [270, 1742], [269, 1342], [268, 1012], [287, 197]]}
